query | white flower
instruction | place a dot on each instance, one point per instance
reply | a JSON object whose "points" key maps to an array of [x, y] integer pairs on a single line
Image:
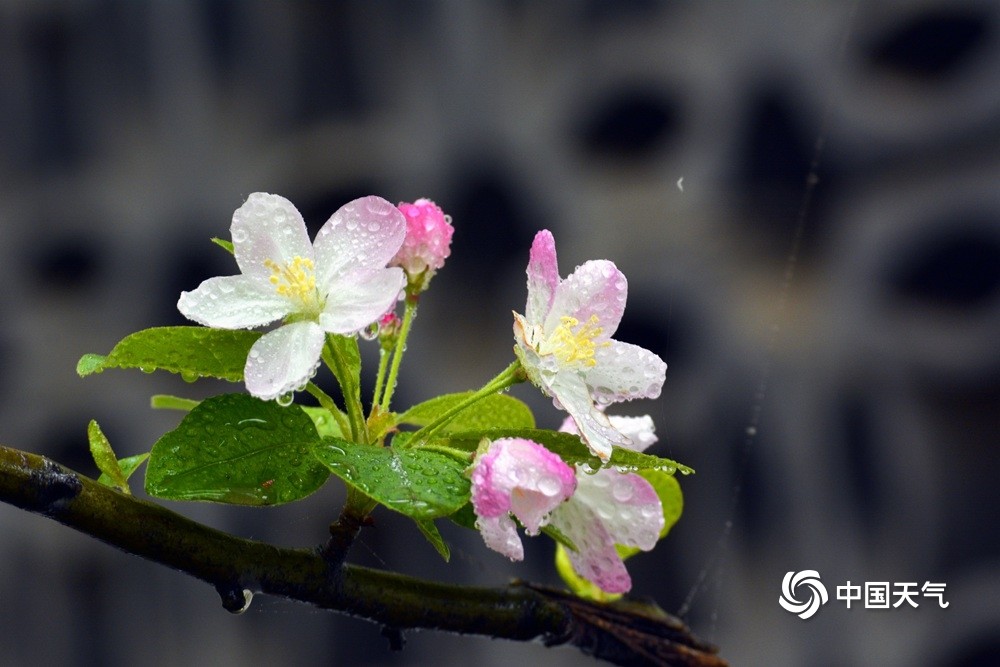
{"points": [[611, 508], [564, 343], [338, 285]]}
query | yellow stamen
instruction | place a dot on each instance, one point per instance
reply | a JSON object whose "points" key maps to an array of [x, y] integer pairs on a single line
{"points": [[295, 280], [573, 342]]}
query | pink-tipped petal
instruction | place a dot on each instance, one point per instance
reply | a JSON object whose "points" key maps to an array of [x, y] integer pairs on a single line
{"points": [[283, 360], [543, 276], [595, 558], [520, 477], [364, 233], [596, 288]]}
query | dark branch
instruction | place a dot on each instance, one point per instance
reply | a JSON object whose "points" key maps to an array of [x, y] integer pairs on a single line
{"points": [[627, 633]]}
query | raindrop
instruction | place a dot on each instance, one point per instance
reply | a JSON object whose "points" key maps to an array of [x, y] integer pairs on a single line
{"points": [[189, 376], [284, 400], [239, 235], [549, 486]]}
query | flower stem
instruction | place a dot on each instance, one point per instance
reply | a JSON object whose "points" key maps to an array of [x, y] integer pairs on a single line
{"points": [[508, 377], [397, 353], [341, 354], [383, 365]]}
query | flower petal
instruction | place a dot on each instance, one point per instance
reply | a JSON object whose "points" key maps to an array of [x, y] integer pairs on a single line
{"points": [[268, 227], [233, 302], [625, 503], [360, 297], [640, 430], [500, 534], [609, 508], [543, 277], [283, 360], [572, 395], [625, 371], [596, 558], [596, 288], [366, 232]]}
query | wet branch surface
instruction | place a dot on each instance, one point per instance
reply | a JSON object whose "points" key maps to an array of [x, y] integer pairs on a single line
{"points": [[624, 633]]}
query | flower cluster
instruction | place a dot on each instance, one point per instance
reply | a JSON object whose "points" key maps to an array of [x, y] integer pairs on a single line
{"points": [[348, 281], [595, 510]]}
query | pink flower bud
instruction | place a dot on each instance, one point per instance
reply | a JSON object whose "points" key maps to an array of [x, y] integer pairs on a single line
{"points": [[427, 243]]}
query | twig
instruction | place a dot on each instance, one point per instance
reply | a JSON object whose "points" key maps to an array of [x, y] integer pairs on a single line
{"points": [[628, 633]]}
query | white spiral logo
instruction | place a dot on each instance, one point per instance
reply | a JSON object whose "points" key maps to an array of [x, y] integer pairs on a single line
{"points": [[817, 593]]}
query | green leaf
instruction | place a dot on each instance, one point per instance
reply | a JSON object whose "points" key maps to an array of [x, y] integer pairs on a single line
{"points": [[420, 484], [568, 446], [191, 351], [105, 458], [496, 411], [669, 491], [430, 531], [237, 449], [128, 465]]}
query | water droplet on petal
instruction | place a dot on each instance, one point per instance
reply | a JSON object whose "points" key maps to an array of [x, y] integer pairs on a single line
{"points": [[284, 400]]}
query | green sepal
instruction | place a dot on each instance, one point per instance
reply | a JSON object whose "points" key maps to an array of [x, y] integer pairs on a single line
{"points": [[464, 516], [578, 585], [420, 484], [192, 352], [224, 244], [169, 402], [430, 531], [104, 457], [496, 411], [239, 450], [129, 465], [326, 424]]}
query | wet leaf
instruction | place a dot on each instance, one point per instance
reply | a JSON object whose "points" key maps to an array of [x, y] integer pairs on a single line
{"points": [[240, 450], [420, 484], [496, 411], [192, 352]]}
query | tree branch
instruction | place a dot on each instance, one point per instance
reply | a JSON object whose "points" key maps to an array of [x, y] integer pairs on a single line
{"points": [[625, 633]]}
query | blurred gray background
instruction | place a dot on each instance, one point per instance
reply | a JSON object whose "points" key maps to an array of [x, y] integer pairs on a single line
{"points": [[130, 132]]}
